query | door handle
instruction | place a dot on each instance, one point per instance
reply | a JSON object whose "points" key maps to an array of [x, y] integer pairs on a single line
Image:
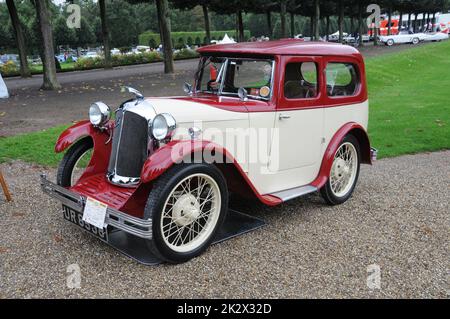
{"points": [[283, 117]]}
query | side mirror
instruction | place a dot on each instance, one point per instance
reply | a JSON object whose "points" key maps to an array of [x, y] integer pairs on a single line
{"points": [[187, 88], [242, 93], [131, 90]]}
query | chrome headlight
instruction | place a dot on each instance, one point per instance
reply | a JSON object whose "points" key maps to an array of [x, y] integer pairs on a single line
{"points": [[163, 126], [99, 113]]}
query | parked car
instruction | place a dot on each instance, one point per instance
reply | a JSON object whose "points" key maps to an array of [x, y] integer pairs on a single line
{"points": [[436, 36], [91, 55], [271, 121], [403, 37]]}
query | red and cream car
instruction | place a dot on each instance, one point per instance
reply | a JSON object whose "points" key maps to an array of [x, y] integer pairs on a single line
{"points": [[265, 120]]}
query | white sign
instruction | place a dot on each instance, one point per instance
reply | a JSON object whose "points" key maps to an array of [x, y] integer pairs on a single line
{"points": [[95, 213], [3, 90]]}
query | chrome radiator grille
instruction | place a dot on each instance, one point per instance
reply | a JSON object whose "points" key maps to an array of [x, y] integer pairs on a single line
{"points": [[129, 148]]}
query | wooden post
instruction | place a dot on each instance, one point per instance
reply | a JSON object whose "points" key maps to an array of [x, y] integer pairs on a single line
{"points": [[5, 187]]}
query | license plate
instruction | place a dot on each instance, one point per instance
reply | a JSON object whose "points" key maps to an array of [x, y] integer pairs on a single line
{"points": [[77, 219]]}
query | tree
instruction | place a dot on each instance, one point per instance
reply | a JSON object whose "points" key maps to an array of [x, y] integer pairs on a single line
{"points": [[191, 4], [48, 52], [316, 19], [105, 34], [20, 38], [166, 38]]}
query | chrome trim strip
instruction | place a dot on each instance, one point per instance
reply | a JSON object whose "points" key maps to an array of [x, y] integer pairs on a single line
{"points": [[133, 225], [292, 193]]}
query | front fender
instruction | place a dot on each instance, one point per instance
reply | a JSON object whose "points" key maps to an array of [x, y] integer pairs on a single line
{"points": [[175, 152], [327, 161], [77, 131], [101, 141]]}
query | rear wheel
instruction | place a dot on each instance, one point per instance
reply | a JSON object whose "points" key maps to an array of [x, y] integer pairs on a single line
{"points": [[390, 42], [187, 206], [344, 172], [74, 162]]}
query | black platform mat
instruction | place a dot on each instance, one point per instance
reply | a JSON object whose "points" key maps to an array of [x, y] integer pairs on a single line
{"points": [[236, 224]]}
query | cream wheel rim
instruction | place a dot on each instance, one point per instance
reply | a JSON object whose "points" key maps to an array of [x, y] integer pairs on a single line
{"points": [[344, 169], [190, 213]]}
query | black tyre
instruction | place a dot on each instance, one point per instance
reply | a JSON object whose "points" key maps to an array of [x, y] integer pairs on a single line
{"points": [[344, 172], [390, 42], [68, 168], [415, 41], [187, 205]]}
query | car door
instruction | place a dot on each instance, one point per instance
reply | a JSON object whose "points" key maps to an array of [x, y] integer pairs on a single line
{"points": [[297, 142]]}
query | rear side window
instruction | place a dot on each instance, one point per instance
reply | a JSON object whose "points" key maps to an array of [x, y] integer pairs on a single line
{"points": [[300, 80], [342, 79]]}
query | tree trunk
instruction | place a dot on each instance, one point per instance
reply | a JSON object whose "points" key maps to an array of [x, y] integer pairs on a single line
{"points": [[311, 28], [20, 39], [400, 22], [207, 28], [328, 28], [292, 24], [105, 35], [375, 35], [415, 23], [341, 21], [317, 20], [389, 20], [165, 32], [409, 21], [48, 63], [360, 24], [240, 26], [269, 23], [283, 18]]}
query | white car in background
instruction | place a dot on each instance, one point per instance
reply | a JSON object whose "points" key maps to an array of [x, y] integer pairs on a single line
{"points": [[403, 37], [436, 36], [91, 54]]}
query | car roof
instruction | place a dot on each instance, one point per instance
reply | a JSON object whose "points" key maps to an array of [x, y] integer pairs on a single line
{"points": [[281, 47]]}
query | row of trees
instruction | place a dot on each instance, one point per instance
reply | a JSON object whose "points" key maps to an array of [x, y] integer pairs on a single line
{"points": [[319, 13]]}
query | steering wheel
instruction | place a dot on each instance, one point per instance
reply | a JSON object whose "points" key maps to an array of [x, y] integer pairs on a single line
{"points": [[209, 86]]}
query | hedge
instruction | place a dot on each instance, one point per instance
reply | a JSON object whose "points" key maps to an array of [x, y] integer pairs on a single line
{"points": [[11, 69], [180, 39]]}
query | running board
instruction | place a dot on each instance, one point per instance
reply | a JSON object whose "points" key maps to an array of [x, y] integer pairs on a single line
{"points": [[294, 192]]}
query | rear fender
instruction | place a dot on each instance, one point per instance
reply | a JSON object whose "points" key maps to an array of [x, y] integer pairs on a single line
{"points": [[350, 128]]}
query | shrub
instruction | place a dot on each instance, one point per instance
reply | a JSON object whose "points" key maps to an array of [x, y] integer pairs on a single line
{"points": [[153, 39], [9, 69], [185, 54]]}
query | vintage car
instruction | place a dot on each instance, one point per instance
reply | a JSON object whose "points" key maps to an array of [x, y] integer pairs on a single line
{"points": [[269, 121], [436, 36], [403, 37]]}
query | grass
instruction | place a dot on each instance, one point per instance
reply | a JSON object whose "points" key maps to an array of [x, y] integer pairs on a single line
{"points": [[409, 108], [408, 95]]}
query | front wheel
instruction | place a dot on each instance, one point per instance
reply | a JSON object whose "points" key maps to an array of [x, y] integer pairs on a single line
{"points": [[187, 206], [74, 162], [344, 172], [390, 42], [415, 41]]}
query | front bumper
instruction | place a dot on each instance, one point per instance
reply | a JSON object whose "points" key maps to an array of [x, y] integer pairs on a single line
{"points": [[116, 219]]}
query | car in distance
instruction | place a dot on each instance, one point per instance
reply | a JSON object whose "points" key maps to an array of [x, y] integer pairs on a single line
{"points": [[402, 38], [269, 121]]}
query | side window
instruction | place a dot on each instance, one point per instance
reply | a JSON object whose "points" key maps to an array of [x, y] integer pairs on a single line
{"points": [[300, 80], [342, 79]]}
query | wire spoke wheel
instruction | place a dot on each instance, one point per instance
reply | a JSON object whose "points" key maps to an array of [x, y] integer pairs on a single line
{"points": [[344, 169], [190, 213]]}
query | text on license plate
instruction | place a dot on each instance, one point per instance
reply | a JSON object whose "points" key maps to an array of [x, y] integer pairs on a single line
{"points": [[77, 218]]}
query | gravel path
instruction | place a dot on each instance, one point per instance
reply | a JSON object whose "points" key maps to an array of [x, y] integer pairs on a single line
{"points": [[397, 219]]}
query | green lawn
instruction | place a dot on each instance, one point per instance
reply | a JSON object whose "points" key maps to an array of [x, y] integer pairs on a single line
{"points": [[409, 108], [409, 100]]}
